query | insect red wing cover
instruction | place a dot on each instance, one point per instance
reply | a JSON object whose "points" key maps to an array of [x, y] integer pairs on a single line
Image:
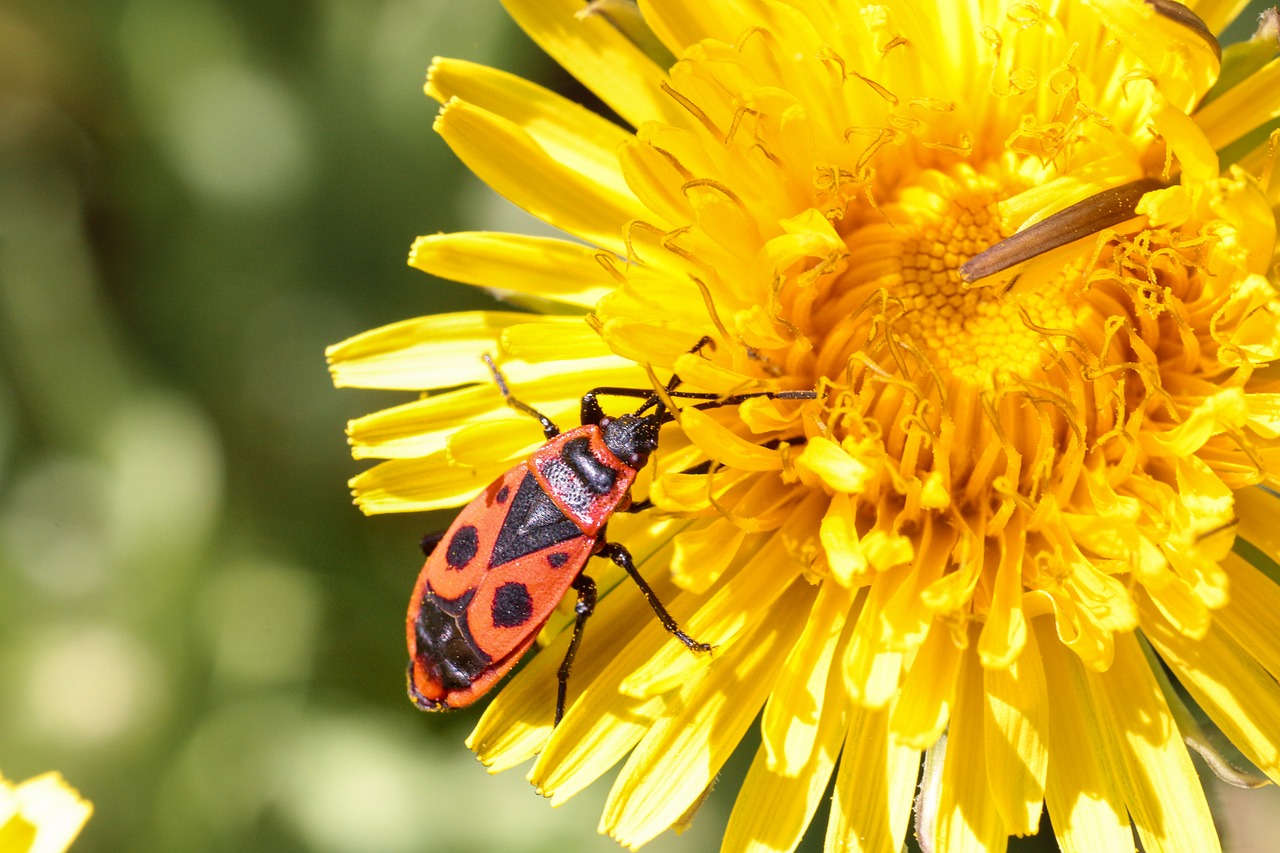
{"points": [[462, 557], [515, 599], [582, 476], [458, 562], [487, 588]]}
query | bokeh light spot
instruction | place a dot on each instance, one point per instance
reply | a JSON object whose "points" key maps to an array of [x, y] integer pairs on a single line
{"points": [[259, 621], [53, 527], [90, 686], [238, 136], [167, 469]]}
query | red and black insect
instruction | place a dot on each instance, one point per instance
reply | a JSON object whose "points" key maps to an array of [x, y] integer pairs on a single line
{"points": [[495, 576]]}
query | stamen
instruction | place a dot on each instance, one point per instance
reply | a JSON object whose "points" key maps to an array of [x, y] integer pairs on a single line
{"points": [[1094, 214], [877, 88], [896, 41], [936, 105], [719, 187], [738, 115], [826, 54], [674, 160], [606, 260], [650, 228], [963, 147], [693, 109], [711, 307]]}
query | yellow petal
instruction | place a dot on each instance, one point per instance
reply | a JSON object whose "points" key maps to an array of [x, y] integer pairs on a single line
{"points": [[924, 703], [793, 714], [1248, 105], [968, 819], [1081, 792], [1240, 696], [742, 599], [703, 553], [1217, 14], [1194, 151], [554, 339], [657, 342], [682, 24], [1156, 777], [873, 668], [1257, 509], [905, 622], [772, 810], [568, 132], [439, 351], [837, 467], [602, 724], [1223, 410], [516, 725], [871, 808], [593, 51], [1264, 414], [506, 158], [839, 535], [480, 444], [1251, 616], [537, 266], [41, 815], [416, 485], [1016, 739], [723, 446], [1184, 62], [703, 373], [1002, 638], [422, 427], [683, 752]]}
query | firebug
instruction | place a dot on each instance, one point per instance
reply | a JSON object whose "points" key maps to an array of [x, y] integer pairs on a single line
{"points": [[494, 577]]}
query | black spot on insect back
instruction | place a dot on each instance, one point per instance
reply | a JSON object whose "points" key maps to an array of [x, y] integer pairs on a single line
{"points": [[512, 605], [557, 559], [503, 494], [462, 547]]}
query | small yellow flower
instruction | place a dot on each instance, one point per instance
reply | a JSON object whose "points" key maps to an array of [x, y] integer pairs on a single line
{"points": [[40, 815], [1024, 252]]}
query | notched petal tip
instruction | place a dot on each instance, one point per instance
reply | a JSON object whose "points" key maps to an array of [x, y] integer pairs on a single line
{"points": [[429, 85], [1091, 216]]}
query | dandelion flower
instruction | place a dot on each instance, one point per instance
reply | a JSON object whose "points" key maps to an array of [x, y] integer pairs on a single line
{"points": [[1022, 251], [40, 815]]}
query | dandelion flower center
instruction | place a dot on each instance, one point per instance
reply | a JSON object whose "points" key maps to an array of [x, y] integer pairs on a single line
{"points": [[969, 333], [817, 207]]}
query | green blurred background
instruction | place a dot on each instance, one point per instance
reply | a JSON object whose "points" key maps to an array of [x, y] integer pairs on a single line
{"points": [[199, 629]]}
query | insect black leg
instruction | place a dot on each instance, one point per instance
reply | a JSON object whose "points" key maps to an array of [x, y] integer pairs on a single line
{"points": [[586, 605], [621, 556], [592, 413], [549, 429], [429, 542]]}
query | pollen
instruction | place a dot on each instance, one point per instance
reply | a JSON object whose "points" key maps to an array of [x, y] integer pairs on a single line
{"points": [[975, 334]]}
